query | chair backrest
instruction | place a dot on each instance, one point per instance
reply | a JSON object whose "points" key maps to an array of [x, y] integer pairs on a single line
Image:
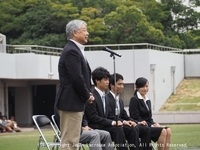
{"points": [[41, 121]]}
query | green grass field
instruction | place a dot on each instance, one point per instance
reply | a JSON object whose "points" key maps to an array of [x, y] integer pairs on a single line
{"points": [[185, 137], [187, 97]]}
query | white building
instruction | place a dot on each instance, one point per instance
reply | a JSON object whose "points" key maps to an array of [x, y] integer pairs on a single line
{"points": [[29, 74]]}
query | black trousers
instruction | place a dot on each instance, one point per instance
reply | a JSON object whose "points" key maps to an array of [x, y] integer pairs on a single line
{"points": [[132, 136], [145, 136], [118, 136]]}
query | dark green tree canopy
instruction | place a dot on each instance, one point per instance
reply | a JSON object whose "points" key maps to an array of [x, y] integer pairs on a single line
{"points": [[42, 22]]}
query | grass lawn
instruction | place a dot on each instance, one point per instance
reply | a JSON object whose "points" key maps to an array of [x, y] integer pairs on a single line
{"points": [[185, 137], [187, 97]]}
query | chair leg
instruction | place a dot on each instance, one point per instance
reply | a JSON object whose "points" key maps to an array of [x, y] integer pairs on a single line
{"points": [[39, 143], [81, 147], [57, 147], [153, 147]]}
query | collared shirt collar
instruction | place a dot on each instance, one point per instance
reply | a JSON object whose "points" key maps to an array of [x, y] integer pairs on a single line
{"points": [[113, 94], [80, 46], [140, 97], [99, 91]]}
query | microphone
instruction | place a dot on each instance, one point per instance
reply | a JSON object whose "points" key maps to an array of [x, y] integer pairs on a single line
{"points": [[110, 51]]}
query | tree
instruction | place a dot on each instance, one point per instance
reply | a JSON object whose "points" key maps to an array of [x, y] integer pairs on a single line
{"points": [[43, 22], [195, 35], [129, 25], [11, 13], [96, 27], [183, 19]]}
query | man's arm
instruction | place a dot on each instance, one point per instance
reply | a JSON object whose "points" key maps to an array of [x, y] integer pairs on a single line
{"points": [[93, 115]]}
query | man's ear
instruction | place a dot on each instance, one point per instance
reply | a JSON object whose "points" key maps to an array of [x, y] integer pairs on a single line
{"points": [[111, 85], [97, 81], [74, 33]]}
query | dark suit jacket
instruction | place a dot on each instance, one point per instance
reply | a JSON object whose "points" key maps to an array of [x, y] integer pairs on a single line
{"points": [[75, 79], [84, 121], [139, 111], [123, 114], [95, 113]]}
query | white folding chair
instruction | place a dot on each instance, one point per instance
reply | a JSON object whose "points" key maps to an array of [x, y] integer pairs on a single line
{"points": [[42, 121]]}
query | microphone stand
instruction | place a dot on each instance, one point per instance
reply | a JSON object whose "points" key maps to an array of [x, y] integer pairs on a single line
{"points": [[116, 108], [112, 54]]}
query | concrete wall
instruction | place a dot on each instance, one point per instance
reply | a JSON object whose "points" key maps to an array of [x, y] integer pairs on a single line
{"points": [[192, 65], [7, 65], [28, 66], [177, 117], [162, 80]]}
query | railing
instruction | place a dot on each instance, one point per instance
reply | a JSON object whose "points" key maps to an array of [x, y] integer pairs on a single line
{"points": [[188, 51], [45, 50], [132, 46]]}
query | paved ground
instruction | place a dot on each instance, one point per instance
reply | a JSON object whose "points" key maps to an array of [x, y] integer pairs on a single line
{"points": [[27, 129], [189, 148], [32, 128]]}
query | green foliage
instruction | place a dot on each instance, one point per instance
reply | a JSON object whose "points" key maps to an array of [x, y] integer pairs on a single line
{"points": [[95, 25], [174, 41], [42, 22], [194, 34], [11, 13], [97, 31], [129, 25]]}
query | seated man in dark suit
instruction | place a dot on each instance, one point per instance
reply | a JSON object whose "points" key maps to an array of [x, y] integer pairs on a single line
{"points": [[100, 117], [117, 104]]}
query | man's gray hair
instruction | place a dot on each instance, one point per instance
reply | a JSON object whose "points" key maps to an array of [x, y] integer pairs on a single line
{"points": [[73, 25]]}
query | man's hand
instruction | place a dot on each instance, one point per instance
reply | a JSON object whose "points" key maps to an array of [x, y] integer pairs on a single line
{"points": [[91, 99], [119, 123], [144, 123], [129, 123], [86, 128], [132, 123]]}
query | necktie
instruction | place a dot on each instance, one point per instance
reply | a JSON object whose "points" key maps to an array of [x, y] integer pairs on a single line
{"points": [[104, 103], [118, 108]]}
